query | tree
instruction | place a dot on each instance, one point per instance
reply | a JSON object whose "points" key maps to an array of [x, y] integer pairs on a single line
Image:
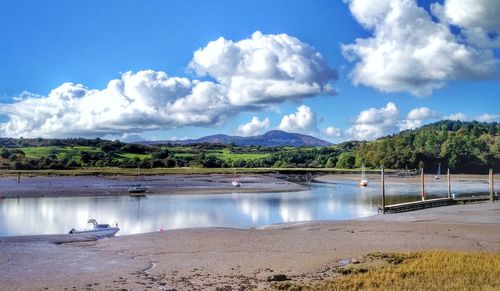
{"points": [[346, 161]]}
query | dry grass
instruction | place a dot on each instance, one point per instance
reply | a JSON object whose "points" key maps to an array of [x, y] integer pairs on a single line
{"points": [[429, 270]]}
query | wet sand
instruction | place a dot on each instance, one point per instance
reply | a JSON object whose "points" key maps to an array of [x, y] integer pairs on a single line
{"points": [[80, 186], [207, 258]]}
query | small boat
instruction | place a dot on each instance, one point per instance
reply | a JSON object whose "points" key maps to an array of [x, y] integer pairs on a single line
{"points": [[236, 183], [438, 176], [137, 189], [364, 181], [99, 230]]}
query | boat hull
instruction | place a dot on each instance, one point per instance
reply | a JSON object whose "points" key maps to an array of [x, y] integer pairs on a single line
{"points": [[98, 232]]}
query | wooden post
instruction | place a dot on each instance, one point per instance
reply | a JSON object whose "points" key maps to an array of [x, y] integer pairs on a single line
{"points": [[492, 188], [383, 189], [449, 184], [422, 183], [18, 178]]}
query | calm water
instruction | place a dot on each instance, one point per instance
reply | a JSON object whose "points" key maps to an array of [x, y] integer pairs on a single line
{"points": [[339, 201]]}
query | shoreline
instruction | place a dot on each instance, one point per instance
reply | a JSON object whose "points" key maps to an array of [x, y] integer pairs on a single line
{"points": [[207, 258], [89, 186]]}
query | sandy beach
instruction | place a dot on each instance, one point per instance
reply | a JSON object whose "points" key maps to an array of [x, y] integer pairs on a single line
{"points": [[80, 186], [211, 258]]}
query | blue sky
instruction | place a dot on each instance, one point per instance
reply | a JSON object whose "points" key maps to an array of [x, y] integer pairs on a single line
{"points": [[45, 44]]}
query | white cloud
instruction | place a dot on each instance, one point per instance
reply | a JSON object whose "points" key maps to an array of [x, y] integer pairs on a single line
{"points": [[375, 122], [254, 127], [488, 117], [422, 113], [265, 68], [457, 116], [302, 121], [135, 102], [478, 19], [409, 51], [332, 131]]}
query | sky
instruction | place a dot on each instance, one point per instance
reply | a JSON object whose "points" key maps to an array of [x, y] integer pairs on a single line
{"points": [[338, 70]]}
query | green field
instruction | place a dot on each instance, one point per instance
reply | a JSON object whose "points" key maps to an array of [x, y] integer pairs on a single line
{"points": [[70, 153]]}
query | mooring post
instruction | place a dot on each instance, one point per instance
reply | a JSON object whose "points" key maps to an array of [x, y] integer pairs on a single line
{"points": [[383, 189], [422, 183], [18, 178], [492, 188], [449, 184]]}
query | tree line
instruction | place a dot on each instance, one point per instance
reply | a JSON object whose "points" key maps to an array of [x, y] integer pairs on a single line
{"points": [[467, 147]]}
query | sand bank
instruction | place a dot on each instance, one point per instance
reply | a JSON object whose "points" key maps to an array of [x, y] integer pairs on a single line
{"points": [[73, 186], [204, 259]]}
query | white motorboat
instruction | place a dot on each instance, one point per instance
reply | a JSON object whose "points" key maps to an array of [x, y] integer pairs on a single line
{"points": [[98, 230]]}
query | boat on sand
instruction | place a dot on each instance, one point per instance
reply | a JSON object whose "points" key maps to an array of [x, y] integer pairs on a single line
{"points": [[98, 230]]}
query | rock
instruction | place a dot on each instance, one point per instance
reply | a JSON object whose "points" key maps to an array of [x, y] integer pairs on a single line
{"points": [[277, 278], [355, 261]]}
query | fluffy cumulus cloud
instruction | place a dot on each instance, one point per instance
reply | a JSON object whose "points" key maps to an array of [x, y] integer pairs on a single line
{"points": [[375, 122], [302, 121], [488, 117], [332, 131], [254, 127], [457, 116], [478, 19], [417, 117], [135, 102], [411, 52], [263, 70], [422, 113]]}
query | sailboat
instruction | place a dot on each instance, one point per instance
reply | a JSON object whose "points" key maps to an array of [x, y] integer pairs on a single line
{"points": [[364, 181], [137, 190], [438, 176]]}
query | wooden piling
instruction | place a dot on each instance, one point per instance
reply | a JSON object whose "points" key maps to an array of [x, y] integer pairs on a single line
{"points": [[422, 183], [18, 178], [383, 189], [492, 187], [449, 183]]}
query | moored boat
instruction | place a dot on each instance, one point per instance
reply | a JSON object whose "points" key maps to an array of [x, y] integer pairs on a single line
{"points": [[134, 189], [98, 230], [236, 183], [438, 175], [364, 181]]}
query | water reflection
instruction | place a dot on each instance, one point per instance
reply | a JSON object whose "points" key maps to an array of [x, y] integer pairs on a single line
{"points": [[321, 201]]}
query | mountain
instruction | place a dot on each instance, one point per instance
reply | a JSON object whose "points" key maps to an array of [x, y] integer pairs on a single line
{"points": [[271, 138]]}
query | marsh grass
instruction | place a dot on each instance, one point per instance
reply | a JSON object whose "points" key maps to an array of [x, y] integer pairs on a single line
{"points": [[429, 270]]}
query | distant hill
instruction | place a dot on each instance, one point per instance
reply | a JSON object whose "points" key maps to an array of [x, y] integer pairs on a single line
{"points": [[271, 138]]}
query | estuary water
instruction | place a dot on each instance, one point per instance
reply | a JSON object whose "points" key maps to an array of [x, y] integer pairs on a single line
{"points": [[339, 200]]}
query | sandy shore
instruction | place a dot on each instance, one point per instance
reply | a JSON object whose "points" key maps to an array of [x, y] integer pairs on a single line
{"points": [[64, 186], [204, 259]]}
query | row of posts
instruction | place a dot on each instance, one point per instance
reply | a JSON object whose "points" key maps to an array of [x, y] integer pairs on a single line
{"points": [[422, 186]]}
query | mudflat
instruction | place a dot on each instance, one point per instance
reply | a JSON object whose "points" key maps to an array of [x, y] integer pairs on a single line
{"points": [[207, 258], [80, 186]]}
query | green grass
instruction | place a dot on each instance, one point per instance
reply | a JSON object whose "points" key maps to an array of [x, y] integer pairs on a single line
{"points": [[60, 152], [226, 155], [133, 156]]}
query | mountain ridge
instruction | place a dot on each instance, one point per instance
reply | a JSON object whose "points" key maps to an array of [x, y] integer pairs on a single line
{"points": [[270, 138]]}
